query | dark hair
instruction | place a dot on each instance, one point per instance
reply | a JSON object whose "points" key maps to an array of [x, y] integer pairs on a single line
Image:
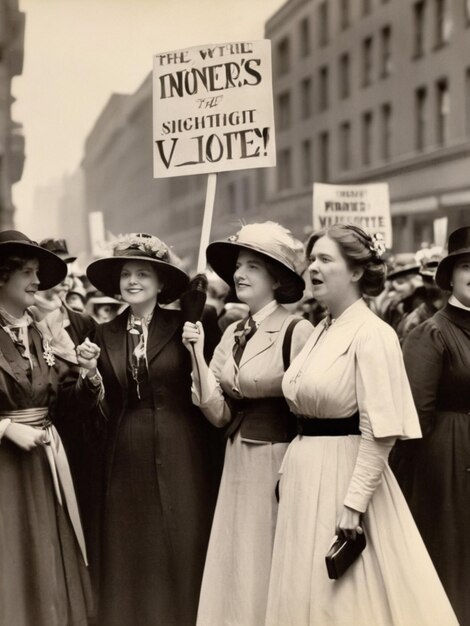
{"points": [[356, 247], [288, 290], [10, 264]]}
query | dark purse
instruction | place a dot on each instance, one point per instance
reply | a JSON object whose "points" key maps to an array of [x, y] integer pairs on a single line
{"points": [[342, 554]]}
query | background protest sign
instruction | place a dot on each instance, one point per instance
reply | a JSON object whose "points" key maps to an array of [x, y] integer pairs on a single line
{"points": [[367, 206], [213, 109]]}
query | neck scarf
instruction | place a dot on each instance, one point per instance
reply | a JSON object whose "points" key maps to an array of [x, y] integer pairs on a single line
{"points": [[17, 329]]}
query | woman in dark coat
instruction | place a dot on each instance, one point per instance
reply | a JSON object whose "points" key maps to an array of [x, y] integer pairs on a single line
{"points": [[434, 473], [43, 577], [160, 488]]}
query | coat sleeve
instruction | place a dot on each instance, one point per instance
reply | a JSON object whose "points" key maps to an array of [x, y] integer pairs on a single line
{"points": [[423, 353], [215, 406]]}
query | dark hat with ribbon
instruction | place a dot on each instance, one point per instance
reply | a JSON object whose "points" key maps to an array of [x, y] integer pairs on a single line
{"points": [[59, 247], [52, 270], [459, 244], [268, 239], [105, 273]]}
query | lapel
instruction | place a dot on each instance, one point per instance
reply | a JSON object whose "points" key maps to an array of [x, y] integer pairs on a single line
{"points": [[8, 354], [37, 340], [341, 333], [265, 336], [164, 324], [115, 341]]}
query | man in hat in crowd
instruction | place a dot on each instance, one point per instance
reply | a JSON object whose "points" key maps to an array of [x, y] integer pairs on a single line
{"points": [[78, 325], [405, 293], [434, 297]]}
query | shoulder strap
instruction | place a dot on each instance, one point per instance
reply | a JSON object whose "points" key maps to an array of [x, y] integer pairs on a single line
{"points": [[287, 343]]}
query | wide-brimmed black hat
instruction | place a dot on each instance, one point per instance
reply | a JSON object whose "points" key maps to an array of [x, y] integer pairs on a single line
{"points": [[267, 239], [459, 244], [105, 273], [52, 270], [59, 247], [410, 269]]}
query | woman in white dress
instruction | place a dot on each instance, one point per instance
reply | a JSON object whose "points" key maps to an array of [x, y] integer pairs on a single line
{"points": [[349, 388], [242, 388]]}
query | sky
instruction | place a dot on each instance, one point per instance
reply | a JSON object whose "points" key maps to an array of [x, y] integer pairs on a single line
{"points": [[79, 52]]}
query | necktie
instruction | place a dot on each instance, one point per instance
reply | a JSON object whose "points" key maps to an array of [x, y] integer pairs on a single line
{"points": [[243, 333]]}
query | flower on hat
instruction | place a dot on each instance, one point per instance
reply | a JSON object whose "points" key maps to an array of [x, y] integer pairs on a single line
{"points": [[149, 244], [377, 246]]}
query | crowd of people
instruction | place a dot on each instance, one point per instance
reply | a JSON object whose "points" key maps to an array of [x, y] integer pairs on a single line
{"points": [[165, 468]]}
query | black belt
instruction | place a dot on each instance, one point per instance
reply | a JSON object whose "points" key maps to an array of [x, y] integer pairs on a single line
{"points": [[330, 427]]}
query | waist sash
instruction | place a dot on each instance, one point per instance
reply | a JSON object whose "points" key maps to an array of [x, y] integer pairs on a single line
{"points": [[58, 463], [262, 419]]}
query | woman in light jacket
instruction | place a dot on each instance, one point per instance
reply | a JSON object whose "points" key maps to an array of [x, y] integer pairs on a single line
{"points": [[242, 390]]}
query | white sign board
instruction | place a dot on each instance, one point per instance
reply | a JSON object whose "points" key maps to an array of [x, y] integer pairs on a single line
{"points": [[367, 206], [97, 234], [213, 109]]}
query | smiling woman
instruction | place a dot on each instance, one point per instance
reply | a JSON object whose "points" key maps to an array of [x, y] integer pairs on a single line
{"points": [[43, 556], [160, 479]]}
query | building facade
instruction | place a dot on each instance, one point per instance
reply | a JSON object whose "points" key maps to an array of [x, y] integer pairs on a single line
{"points": [[364, 91], [12, 24]]}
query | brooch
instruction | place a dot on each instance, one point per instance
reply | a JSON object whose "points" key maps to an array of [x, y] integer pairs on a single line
{"points": [[48, 354]]}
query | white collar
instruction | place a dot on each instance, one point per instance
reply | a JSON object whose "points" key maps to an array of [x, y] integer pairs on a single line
{"points": [[263, 313], [454, 302]]}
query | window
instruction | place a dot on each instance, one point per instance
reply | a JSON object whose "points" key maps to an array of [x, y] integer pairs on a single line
{"points": [[307, 170], [324, 89], [284, 170], [345, 146], [323, 23], [443, 21], [260, 186], [232, 198], [284, 111], [304, 37], [344, 14], [467, 98], [443, 110], [419, 24], [324, 157], [386, 115], [386, 51], [344, 86], [367, 61], [367, 138], [283, 57], [306, 98], [421, 114], [246, 194]]}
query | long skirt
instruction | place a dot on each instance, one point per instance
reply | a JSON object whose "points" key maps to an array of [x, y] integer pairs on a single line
{"points": [[434, 474], [43, 579], [392, 583], [236, 575], [138, 583]]}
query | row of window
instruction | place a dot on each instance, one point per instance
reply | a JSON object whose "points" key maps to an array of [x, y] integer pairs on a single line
{"points": [[344, 82], [439, 11], [373, 122]]}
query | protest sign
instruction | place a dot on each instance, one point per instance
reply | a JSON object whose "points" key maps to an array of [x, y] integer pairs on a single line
{"points": [[213, 109], [440, 231], [367, 206]]}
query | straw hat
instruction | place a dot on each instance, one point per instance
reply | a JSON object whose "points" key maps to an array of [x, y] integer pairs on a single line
{"points": [[267, 239], [105, 273]]}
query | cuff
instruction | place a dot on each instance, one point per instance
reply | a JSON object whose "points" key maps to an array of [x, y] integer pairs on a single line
{"points": [[4, 423]]}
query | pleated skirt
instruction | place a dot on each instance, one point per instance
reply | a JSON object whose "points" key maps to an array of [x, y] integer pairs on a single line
{"points": [[393, 582]]}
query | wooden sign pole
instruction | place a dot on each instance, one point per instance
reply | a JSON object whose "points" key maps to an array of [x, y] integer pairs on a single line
{"points": [[206, 222]]}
